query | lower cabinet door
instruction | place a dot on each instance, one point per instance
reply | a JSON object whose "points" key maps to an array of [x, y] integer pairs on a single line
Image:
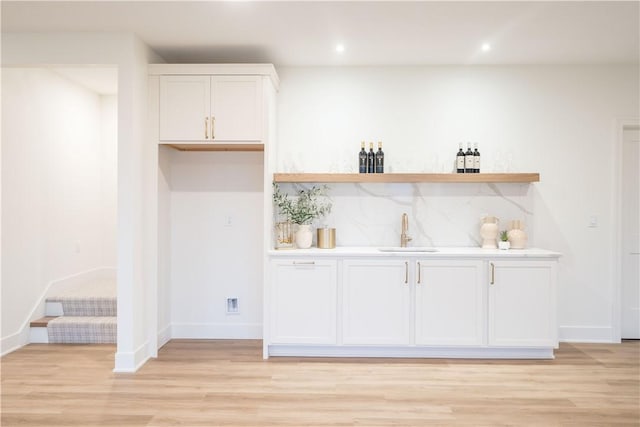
{"points": [[522, 304], [450, 303], [375, 302], [303, 302]]}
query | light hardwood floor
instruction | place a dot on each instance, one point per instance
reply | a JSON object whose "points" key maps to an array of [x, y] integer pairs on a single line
{"points": [[211, 383]]}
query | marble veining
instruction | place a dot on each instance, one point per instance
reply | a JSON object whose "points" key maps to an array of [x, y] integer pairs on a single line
{"points": [[440, 214]]}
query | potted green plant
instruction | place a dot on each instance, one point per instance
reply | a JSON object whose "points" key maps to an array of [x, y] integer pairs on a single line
{"points": [[308, 205], [504, 240]]}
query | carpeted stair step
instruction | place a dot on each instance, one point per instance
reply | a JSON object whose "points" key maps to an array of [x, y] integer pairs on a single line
{"points": [[97, 300], [82, 314], [83, 330]]}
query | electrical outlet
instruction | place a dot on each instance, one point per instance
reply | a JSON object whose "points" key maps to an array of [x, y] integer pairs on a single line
{"points": [[232, 306], [228, 221]]}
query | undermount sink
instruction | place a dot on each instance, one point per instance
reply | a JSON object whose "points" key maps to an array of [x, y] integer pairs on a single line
{"points": [[407, 249]]}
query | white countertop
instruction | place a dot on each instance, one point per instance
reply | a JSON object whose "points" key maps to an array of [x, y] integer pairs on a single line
{"points": [[442, 252]]}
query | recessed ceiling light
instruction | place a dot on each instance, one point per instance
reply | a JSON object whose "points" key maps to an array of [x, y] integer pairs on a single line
{"points": [[340, 48], [486, 47]]}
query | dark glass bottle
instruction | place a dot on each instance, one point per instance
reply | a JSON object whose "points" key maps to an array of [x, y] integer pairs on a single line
{"points": [[379, 159], [371, 159], [468, 159], [476, 159], [460, 159], [362, 159]]}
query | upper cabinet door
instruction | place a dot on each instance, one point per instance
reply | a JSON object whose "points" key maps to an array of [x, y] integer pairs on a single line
{"points": [[185, 108], [236, 108]]}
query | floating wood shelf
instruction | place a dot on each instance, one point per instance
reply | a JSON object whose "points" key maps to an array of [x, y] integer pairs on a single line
{"points": [[406, 177], [217, 147]]}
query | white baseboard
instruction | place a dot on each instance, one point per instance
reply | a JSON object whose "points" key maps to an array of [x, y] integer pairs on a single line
{"points": [[129, 362], [586, 334], [14, 341], [216, 330], [410, 352], [164, 335]]}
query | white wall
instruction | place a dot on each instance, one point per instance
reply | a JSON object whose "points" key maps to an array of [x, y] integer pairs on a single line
{"points": [[137, 171], [164, 244], [54, 177], [555, 120], [216, 252], [109, 171]]}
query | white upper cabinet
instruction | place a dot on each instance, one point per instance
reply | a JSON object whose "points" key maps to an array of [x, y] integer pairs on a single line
{"points": [[236, 103], [450, 303], [522, 304], [195, 108], [185, 108]]}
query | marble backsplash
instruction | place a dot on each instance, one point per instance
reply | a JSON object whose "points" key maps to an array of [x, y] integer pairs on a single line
{"points": [[439, 214]]}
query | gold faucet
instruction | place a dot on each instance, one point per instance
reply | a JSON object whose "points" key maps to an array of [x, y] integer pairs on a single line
{"points": [[404, 238]]}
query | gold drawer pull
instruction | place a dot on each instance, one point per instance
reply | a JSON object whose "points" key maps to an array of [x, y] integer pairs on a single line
{"points": [[406, 272], [493, 273]]}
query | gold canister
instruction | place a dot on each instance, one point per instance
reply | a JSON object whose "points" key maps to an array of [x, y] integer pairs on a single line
{"points": [[326, 238]]}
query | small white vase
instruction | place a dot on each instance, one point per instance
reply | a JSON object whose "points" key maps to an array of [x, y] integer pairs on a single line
{"points": [[304, 236], [504, 245]]}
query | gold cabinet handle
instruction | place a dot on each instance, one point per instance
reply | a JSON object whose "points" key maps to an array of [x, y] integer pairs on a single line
{"points": [[206, 128], [213, 127], [419, 272], [406, 272], [493, 273]]}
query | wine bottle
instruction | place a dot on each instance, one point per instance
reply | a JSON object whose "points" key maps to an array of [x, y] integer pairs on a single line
{"points": [[371, 159], [379, 159], [362, 159], [476, 159], [468, 159], [460, 159]]}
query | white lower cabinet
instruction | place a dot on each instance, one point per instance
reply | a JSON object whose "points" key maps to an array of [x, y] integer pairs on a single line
{"points": [[375, 302], [303, 301], [450, 303], [522, 304], [413, 307]]}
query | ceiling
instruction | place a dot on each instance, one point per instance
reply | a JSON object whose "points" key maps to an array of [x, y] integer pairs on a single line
{"points": [[305, 33]]}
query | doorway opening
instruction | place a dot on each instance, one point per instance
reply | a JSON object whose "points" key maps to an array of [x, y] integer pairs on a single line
{"points": [[629, 234], [59, 202]]}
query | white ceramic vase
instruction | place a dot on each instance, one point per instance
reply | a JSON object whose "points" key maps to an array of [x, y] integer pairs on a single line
{"points": [[504, 245], [304, 236], [489, 232], [517, 236]]}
